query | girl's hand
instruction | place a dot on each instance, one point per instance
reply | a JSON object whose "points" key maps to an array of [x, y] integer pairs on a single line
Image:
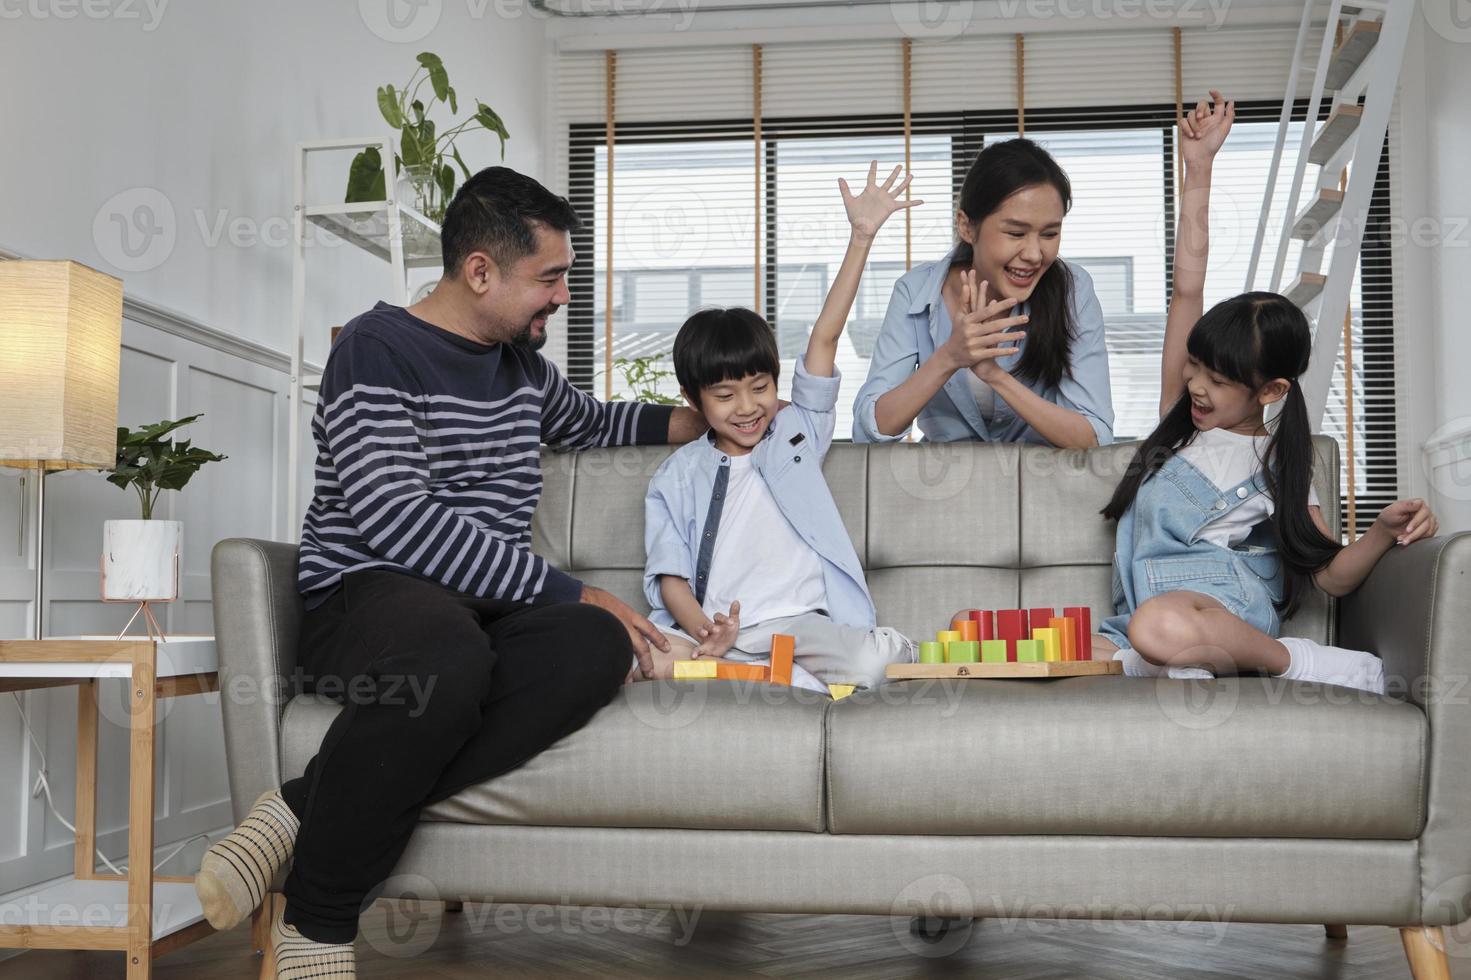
{"points": [[719, 636], [1203, 130], [868, 211], [980, 334], [1407, 521]]}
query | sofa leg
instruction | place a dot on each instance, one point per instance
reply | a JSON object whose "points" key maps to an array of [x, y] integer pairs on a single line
{"points": [[454, 906], [1333, 931], [935, 927], [267, 911], [260, 926], [1425, 949]]}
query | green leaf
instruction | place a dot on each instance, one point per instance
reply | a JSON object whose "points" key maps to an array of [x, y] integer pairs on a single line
{"points": [[388, 105], [454, 152], [365, 178], [438, 77], [418, 108], [446, 179], [487, 117], [408, 148], [453, 106]]}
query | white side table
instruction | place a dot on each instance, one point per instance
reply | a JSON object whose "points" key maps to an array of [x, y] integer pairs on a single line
{"points": [[140, 914]]}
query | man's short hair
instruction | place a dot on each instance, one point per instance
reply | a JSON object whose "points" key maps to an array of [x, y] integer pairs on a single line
{"points": [[496, 211], [724, 345]]}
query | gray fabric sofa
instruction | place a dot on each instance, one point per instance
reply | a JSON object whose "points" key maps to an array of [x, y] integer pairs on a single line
{"points": [[1241, 799]]}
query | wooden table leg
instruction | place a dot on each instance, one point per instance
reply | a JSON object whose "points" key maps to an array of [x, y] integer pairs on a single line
{"points": [[142, 716], [85, 864], [1335, 931], [1425, 949], [268, 960]]}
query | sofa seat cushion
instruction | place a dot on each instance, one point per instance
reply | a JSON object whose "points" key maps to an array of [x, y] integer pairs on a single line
{"points": [[697, 755], [1233, 757]]}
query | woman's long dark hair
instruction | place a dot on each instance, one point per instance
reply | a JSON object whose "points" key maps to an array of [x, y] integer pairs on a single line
{"points": [[999, 171], [1252, 339]]}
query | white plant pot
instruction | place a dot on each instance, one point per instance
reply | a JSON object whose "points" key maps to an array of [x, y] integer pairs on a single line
{"points": [[140, 560]]}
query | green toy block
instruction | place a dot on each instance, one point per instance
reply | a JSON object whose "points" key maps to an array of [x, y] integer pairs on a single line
{"points": [[963, 652], [993, 651], [1029, 652], [932, 653]]}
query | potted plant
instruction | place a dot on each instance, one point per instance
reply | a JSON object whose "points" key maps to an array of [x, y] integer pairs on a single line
{"points": [[140, 558], [422, 149]]}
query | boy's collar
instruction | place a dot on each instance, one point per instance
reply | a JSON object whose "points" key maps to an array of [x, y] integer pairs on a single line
{"points": [[710, 439]]}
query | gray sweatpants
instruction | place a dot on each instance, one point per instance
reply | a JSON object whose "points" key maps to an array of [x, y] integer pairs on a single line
{"points": [[827, 652]]}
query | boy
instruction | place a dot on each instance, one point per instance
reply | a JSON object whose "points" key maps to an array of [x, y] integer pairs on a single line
{"points": [[742, 519]]}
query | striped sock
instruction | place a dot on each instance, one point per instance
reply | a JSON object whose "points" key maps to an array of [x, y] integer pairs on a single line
{"points": [[237, 870], [299, 958]]}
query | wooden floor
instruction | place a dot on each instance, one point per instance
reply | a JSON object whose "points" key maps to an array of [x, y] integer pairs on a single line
{"points": [[409, 941]]}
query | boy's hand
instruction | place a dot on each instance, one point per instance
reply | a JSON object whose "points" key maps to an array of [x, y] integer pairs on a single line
{"points": [[719, 636], [981, 333], [1407, 521], [868, 211], [1203, 130]]}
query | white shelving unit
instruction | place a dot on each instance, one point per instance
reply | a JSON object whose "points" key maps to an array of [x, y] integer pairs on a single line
{"points": [[389, 230]]}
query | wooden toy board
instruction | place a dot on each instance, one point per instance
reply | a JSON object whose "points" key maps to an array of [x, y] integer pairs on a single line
{"points": [[1007, 671]]}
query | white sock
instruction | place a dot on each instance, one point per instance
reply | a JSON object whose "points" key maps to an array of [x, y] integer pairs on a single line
{"points": [[1190, 674], [1135, 665], [1332, 665]]}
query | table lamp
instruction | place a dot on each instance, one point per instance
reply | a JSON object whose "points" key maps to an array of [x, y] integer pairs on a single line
{"points": [[61, 327]]}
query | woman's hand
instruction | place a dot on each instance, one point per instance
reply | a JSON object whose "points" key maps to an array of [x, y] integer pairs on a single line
{"points": [[979, 335], [1203, 130], [1407, 521], [868, 211]]}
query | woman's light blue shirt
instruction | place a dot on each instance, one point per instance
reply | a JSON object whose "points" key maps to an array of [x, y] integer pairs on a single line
{"points": [[917, 324]]}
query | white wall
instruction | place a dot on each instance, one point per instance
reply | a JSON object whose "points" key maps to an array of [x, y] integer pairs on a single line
{"points": [[193, 110]]}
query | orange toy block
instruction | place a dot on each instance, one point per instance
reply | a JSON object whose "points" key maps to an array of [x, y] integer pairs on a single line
{"points": [[742, 672], [969, 629], [1067, 634], [783, 648]]}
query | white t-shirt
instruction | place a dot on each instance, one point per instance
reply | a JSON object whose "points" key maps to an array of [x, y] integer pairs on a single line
{"points": [[759, 557], [1228, 459], [983, 393]]}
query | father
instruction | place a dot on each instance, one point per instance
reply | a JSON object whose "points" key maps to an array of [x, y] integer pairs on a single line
{"points": [[462, 653]]}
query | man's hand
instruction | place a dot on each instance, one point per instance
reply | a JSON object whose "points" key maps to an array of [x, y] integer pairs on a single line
{"points": [[719, 636], [641, 632]]}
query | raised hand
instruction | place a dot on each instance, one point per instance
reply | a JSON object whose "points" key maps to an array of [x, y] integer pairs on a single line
{"points": [[980, 333], [1407, 521], [1203, 129], [717, 638], [868, 211]]}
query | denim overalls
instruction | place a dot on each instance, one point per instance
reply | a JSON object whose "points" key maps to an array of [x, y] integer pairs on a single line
{"points": [[1158, 549]]}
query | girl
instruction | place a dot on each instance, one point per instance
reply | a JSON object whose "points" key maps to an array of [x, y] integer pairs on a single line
{"points": [[1219, 533], [966, 370]]}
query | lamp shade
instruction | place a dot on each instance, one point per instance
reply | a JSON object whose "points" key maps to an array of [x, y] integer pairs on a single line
{"points": [[62, 326]]}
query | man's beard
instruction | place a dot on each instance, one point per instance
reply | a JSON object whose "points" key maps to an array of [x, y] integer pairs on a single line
{"points": [[526, 340]]}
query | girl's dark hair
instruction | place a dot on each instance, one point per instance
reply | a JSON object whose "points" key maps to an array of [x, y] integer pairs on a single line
{"points": [[1252, 339], [724, 345], [999, 171]]}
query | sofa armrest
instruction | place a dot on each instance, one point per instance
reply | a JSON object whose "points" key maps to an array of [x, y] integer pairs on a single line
{"points": [[1414, 611], [257, 614]]}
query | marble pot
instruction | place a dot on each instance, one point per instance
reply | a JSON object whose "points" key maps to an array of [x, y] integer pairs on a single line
{"points": [[140, 560]]}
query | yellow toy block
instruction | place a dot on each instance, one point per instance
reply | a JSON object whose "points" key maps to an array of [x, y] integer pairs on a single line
{"points": [[841, 691], [946, 637], [695, 670], [1051, 644]]}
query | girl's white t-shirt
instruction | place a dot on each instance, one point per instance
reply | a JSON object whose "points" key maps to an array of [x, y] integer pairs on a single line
{"points": [[759, 557], [1228, 459]]}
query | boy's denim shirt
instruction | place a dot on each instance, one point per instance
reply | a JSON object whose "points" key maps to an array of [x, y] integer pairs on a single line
{"points": [[682, 508]]}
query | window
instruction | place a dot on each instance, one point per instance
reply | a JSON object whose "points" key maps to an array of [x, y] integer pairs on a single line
{"points": [[686, 239]]}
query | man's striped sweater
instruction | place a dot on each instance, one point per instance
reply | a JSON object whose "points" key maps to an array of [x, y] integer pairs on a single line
{"points": [[428, 458]]}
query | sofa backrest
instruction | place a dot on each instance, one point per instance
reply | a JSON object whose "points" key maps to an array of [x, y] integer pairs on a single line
{"points": [[937, 526]]}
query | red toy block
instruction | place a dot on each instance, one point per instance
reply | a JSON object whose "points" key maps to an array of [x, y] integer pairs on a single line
{"points": [[988, 623], [1011, 625], [1037, 619], [1082, 618], [783, 647]]}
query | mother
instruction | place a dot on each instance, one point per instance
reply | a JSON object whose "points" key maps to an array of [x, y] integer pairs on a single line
{"points": [[1047, 380]]}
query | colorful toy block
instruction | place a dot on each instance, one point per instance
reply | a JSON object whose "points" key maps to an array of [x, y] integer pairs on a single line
{"points": [[1039, 619], [695, 670], [993, 651], [963, 652], [1011, 626], [932, 653], [987, 621], [841, 691], [742, 672], [1068, 635], [968, 629], [783, 648], [1051, 646], [1029, 652], [946, 637], [1082, 618]]}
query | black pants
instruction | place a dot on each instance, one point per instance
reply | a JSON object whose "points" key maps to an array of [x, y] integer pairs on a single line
{"points": [[441, 691]]}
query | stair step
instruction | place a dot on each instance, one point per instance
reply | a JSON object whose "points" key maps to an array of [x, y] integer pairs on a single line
{"points": [[1356, 46], [1306, 288], [1341, 125], [1317, 214]]}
